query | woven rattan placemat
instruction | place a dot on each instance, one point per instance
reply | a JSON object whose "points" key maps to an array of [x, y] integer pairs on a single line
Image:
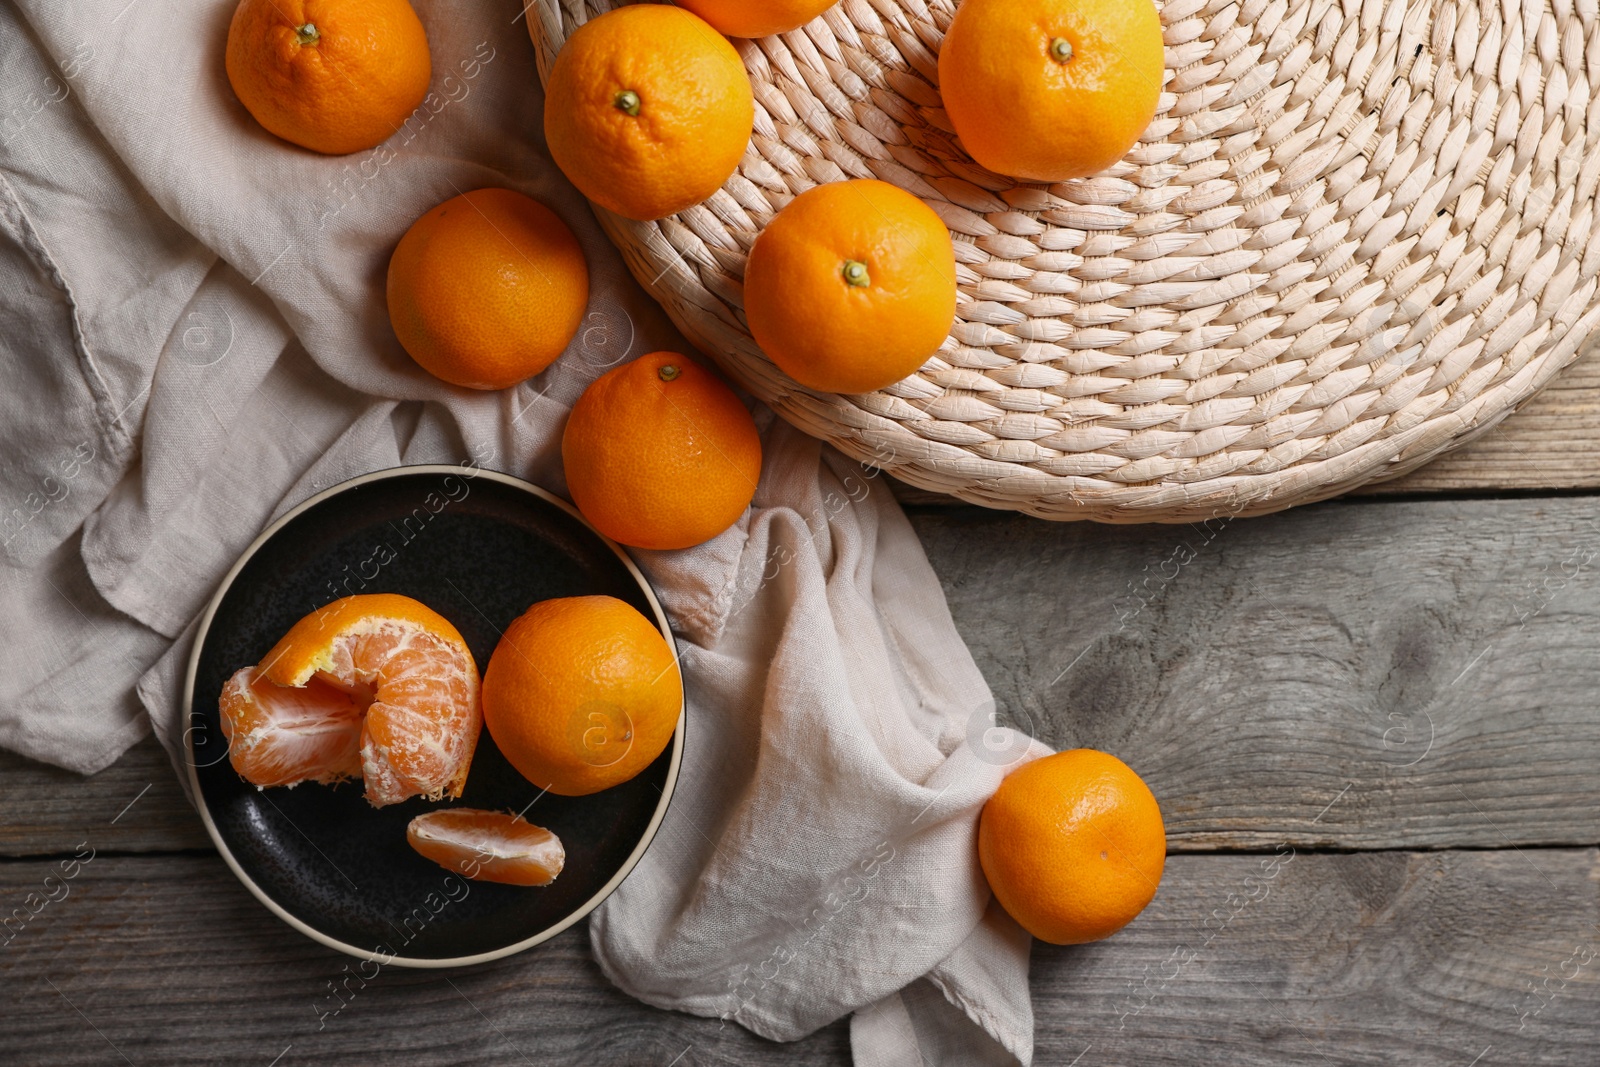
{"points": [[1354, 236]]}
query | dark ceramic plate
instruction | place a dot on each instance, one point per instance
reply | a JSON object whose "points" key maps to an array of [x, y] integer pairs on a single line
{"points": [[479, 548]]}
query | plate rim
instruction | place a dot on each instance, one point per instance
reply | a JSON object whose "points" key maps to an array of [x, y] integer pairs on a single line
{"points": [[203, 629]]}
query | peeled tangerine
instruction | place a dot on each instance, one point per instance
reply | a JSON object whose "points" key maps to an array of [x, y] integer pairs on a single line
{"points": [[379, 686], [490, 846]]}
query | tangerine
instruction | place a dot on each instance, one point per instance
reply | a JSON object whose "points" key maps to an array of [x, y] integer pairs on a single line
{"points": [[334, 76], [742, 18], [487, 288], [581, 694], [852, 286], [660, 454], [1073, 846], [647, 110], [380, 674], [1077, 82]]}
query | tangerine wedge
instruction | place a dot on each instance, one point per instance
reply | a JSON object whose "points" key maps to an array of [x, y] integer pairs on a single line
{"points": [[489, 846], [282, 736], [379, 675]]}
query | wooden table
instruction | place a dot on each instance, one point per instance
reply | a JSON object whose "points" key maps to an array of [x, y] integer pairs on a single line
{"points": [[1373, 725]]}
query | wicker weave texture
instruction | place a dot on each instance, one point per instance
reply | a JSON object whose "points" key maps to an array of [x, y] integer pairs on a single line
{"points": [[1356, 234]]}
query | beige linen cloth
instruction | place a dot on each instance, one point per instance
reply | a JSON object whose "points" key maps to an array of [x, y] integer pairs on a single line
{"points": [[194, 338]]}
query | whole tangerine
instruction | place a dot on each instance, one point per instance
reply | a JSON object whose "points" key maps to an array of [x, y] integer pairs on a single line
{"points": [[852, 286], [660, 454], [647, 110], [487, 289], [1073, 846], [1076, 82], [334, 76], [744, 18], [581, 694]]}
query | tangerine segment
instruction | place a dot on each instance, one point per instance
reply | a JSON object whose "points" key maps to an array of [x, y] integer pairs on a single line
{"points": [[411, 672], [280, 736], [489, 846]]}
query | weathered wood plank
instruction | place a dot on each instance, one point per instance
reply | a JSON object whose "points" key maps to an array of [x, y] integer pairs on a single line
{"points": [[1416, 958], [1447, 958], [170, 961], [135, 805], [1351, 675]]}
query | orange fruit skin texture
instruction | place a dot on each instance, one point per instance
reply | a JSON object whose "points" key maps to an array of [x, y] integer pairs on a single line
{"points": [[581, 694], [349, 90], [1021, 113], [1073, 846], [487, 289], [756, 18], [833, 336], [660, 464], [695, 110], [488, 846], [378, 685]]}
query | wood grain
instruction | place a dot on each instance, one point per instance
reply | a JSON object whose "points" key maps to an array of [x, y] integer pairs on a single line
{"points": [[1416, 958], [135, 805], [1363, 674], [1347, 675], [1444, 959], [170, 961]]}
